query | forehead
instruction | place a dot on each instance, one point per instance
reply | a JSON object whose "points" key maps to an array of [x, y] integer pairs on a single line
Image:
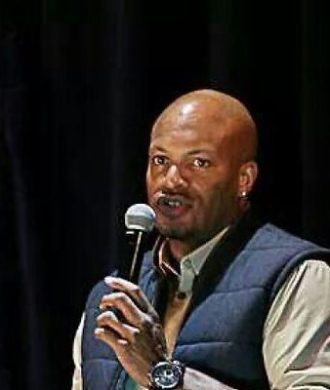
{"points": [[186, 140], [189, 126]]}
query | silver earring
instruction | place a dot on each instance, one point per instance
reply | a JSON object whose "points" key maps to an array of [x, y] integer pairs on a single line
{"points": [[243, 195]]}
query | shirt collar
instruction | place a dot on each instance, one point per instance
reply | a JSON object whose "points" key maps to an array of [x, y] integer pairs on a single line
{"points": [[190, 265]]}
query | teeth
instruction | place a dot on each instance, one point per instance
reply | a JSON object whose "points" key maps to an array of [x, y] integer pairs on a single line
{"points": [[174, 203], [171, 202]]}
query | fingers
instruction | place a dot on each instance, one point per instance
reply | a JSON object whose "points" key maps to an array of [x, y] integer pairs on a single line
{"points": [[124, 338], [136, 333], [109, 322], [124, 304], [110, 337], [134, 292]]}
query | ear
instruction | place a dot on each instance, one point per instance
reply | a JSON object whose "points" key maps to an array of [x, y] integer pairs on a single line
{"points": [[247, 177]]}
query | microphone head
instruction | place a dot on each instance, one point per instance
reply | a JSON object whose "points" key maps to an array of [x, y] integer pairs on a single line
{"points": [[140, 217]]}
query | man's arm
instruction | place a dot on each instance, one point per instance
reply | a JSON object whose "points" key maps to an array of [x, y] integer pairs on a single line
{"points": [[296, 344], [77, 378], [196, 380], [139, 340]]}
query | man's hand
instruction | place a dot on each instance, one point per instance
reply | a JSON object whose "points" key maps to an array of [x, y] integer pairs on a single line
{"points": [[136, 337]]}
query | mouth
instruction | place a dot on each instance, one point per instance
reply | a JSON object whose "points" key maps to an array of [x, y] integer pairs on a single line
{"points": [[172, 206]]}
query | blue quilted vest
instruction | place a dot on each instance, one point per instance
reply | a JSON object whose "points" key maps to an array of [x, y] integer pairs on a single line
{"points": [[222, 333]]}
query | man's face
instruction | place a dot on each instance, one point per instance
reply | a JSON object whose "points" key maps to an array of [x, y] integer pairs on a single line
{"points": [[192, 177]]}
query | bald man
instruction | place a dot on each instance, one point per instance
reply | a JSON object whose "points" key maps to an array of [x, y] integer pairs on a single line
{"points": [[223, 300]]}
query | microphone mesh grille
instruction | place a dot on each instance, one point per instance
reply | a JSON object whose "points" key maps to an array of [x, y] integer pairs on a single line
{"points": [[140, 217]]}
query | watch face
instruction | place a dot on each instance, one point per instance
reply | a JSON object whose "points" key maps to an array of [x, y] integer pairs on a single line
{"points": [[166, 375]]}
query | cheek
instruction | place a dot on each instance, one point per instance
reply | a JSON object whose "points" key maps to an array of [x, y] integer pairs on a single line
{"points": [[148, 183], [151, 183], [216, 195], [154, 177], [149, 192]]}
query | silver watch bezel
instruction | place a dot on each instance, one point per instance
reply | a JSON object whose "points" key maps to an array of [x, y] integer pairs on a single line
{"points": [[175, 366]]}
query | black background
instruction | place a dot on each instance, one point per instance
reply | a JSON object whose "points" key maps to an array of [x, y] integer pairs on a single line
{"points": [[80, 85]]}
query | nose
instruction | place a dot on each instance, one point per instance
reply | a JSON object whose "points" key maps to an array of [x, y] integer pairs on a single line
{"points": [[173, 179]]}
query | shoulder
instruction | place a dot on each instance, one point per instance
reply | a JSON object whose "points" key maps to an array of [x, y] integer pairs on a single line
{"points": [[311, 275], [272, 236]]}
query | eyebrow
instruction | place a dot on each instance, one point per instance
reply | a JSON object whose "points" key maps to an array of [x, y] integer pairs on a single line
{"points": [[200, 151], [190, 153], [193, 151]]}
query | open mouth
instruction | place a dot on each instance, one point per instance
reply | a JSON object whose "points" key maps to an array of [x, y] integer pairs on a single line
{"points": [[172, 205], [169, 201]]}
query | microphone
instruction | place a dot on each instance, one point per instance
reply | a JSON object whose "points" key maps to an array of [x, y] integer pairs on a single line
{"points": [[139, 220]]}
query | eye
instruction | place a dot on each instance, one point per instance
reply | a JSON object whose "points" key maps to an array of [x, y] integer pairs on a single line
{"points": [[201, 162], [158, 160]]}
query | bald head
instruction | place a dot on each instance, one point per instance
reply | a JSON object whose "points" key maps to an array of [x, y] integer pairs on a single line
{"points": [[204, 108], [201, 167]]}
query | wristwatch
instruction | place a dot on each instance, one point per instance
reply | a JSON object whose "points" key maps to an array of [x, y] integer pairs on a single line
{"points": [[166, 375]]}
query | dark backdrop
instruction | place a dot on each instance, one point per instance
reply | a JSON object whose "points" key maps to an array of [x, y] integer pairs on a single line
{"points": [[80, 85]]}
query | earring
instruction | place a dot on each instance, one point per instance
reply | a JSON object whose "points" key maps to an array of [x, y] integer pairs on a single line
{"points": [[243, 195]]}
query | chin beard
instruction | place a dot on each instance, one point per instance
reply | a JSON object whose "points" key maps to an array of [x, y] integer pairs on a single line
{"points": [[180, 234], [175, 233]]}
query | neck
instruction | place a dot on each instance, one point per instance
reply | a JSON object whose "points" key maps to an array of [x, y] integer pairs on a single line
{"points": [[181, 247]]}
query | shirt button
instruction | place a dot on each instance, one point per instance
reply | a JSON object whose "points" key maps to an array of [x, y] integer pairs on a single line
{"points": [[181, 295]]}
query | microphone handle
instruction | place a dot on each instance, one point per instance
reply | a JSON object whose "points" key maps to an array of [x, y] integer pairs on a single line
{"points": [[130, 268], [137, 259]]}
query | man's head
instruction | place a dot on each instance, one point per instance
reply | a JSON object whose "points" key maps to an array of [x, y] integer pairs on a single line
{"points": [[201, 164]]}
